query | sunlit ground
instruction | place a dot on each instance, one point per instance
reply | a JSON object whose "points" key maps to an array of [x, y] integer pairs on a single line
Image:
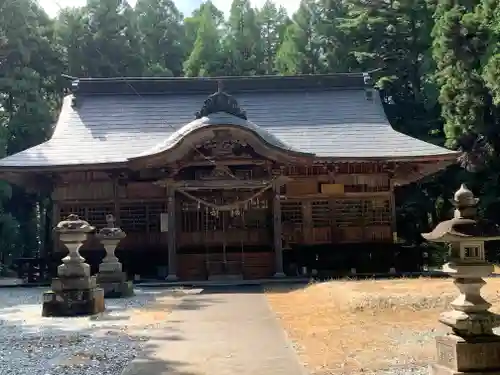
{"points": [[345, 327]]}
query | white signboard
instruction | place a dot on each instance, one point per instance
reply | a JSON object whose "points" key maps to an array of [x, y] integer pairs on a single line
{"points": [[164, 222]]}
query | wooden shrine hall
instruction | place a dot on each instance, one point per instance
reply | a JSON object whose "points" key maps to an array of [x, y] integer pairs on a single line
{"points": [[228, 177]]}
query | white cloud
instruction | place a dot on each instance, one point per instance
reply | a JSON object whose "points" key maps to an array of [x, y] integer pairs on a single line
{"points": [[53, 6]]}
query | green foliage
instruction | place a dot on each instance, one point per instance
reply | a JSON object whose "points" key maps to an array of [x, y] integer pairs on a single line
{"points": [[162, 36], [205, 58], [301, 50], [273, 22], [31, 61]]}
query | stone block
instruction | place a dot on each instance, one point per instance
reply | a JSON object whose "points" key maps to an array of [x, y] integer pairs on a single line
{"points": [[441, 370], [73, 269], [110, 267], [73, 283], [111, 277], [73, 302], [120, 289], [455, 355], [115, 284]]}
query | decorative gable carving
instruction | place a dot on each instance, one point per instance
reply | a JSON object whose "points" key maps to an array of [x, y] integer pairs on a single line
{"points": [[223, 146], [220, 172], [221, 102]]}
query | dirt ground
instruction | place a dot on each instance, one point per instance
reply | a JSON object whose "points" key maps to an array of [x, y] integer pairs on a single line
{"points": [[347, 327]]}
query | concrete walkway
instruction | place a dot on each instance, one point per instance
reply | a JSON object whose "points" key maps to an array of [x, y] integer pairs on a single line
{"points": [[219, 331]]}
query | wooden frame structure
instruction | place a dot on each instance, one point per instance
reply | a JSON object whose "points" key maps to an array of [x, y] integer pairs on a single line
{"points": [[222, 197]]}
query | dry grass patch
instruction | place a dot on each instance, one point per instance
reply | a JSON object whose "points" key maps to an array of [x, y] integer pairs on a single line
{"points": [[343, 327]]}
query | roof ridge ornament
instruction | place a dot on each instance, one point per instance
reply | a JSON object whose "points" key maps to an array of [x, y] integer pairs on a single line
{"points": [[220, 85], [465, 203], [369, 89], [221, 101]]}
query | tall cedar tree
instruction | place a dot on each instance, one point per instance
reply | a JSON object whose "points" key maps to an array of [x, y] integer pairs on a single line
{"points": [[273, 22], [243, 49], [162, 36], [206, 56]]}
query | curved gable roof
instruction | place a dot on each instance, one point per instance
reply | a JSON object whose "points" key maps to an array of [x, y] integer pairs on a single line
{"points": [[339, 122], [217, 119]]}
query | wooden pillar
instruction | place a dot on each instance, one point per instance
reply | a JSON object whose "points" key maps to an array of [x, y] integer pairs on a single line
{"points": [[172, 248], [116, 200], [56, 217], [392, 202], [278, 231]]}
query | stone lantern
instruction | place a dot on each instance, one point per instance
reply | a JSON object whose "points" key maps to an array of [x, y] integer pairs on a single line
{"points": [[74, 291], [471, 347], [111, 277]]}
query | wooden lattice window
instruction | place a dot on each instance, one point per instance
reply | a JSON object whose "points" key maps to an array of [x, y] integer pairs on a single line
{"points": [[66, 210], [315, 170], [258, 204], [364, 168], [320, 211], [243, 174], [96, 215], [191, 216], [291, 212], [378, 212], [257, 213], [349, 212], [154, 211], [380, 182], [213, 220], [133, 217], [295, 171]]}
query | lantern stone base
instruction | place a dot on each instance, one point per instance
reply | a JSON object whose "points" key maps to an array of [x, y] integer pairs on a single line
{"points": [[115, 284], [474, 356], [73, 296]]}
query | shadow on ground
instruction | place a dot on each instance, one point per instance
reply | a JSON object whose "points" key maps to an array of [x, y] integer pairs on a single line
{"points": [[138, 322]]}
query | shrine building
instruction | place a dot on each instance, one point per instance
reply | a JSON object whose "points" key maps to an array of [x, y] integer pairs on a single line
{"points": [[244, 177]]}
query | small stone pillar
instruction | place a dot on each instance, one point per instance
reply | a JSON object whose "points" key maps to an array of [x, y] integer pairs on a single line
{"points": [[74, 292], [472, 347], [111, 277]]}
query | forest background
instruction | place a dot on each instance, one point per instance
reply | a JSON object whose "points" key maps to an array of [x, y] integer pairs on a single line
{"points": [[436, 64]]}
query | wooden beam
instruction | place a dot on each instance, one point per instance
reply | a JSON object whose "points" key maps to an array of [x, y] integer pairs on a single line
{"points": [[392, 203], [116, 201]]}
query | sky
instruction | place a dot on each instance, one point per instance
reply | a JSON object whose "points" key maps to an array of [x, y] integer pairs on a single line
{"points": [[185, 6]]}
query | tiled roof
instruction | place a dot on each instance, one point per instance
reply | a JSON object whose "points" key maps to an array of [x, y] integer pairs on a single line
{"points": [[111, 128]]}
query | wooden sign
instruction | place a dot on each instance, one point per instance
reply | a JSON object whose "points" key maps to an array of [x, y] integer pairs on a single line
{"points": [[332, 189], [164, 222], [297, 188]]}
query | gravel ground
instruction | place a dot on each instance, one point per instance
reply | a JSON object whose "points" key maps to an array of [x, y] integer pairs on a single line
{"points": [[404, 370], [410, 337], [103, 345]]}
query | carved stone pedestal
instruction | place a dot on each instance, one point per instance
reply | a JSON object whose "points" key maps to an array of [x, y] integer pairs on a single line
{"points": [[73, 296], [74, 292], [111, 277], [115, 284], [476, 356]]}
